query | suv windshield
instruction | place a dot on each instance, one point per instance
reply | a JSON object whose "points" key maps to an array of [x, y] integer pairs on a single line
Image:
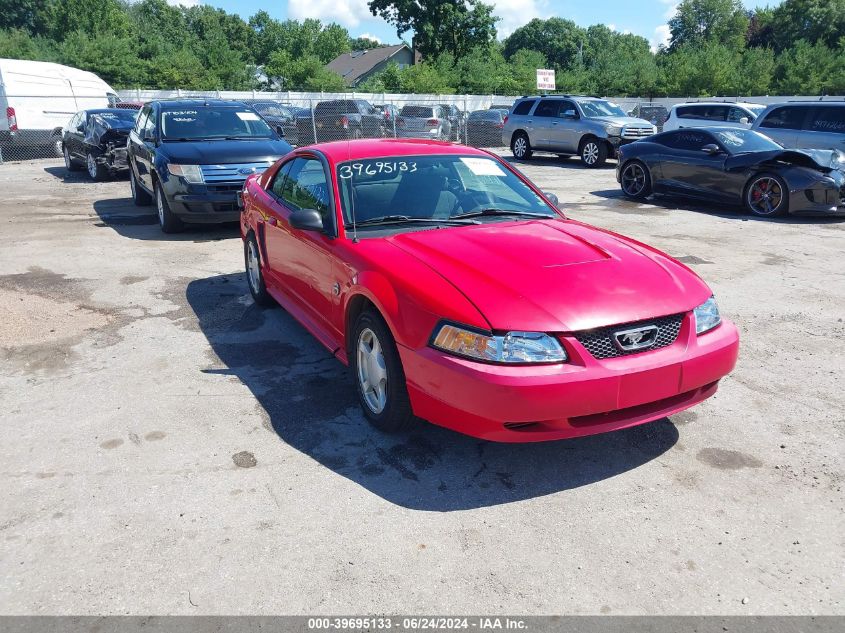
{"points": [[739, 141], [192, 123], [434, 189], [599, 108]]}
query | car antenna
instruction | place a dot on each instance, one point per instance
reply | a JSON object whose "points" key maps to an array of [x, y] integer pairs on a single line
{"points": [[355, 239]]}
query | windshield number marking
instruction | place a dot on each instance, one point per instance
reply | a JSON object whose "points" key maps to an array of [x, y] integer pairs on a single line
{"points": [[374, 168]]}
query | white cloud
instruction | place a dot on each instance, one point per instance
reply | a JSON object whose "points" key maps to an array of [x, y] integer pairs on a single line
{"points": [[370, 36], [515, 13], [662, 35], [349, 13], [671, 8]]}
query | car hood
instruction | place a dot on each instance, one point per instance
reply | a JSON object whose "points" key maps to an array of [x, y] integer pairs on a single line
{"points": [[622, 121], [556, 275], [224, 152], [822, 159]]}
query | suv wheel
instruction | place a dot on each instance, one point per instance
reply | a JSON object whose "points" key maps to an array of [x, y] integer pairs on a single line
{"points": [[593, 152], [140, 197], [521, 146], [168, 222]]}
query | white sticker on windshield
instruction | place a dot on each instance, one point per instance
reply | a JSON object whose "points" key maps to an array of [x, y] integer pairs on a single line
{"points": [[248, 116], [483, 167]]}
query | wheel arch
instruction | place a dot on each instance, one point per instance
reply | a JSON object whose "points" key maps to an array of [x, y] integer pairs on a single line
{"points": [[372, 291]]}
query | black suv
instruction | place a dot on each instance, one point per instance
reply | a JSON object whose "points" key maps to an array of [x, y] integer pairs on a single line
{"points": [[193, 156]]}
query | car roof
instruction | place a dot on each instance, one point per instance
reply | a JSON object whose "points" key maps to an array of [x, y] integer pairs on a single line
{"points": [[199, 103], [339, 151], [107, 110], [712, 103]]}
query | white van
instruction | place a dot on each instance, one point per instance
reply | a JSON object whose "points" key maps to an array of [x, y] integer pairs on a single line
{"points": [[37, 99], [712, 114]]}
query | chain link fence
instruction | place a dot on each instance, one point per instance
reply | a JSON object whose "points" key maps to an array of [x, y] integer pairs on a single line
{"points": [[32, 127]]}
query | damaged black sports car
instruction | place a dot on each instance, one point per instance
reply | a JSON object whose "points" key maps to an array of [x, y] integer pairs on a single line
{"points": [[734, 166], [96, 140]]}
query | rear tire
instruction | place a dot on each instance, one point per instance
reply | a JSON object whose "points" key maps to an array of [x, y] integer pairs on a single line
{"points": [[70, 163], [521, 146], [139, 196], [168, 222], [767, 196], [593, 152], [378, 375]]}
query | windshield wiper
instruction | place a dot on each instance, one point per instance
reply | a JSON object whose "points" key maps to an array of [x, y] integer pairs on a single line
{"points": [[406, 219], [494, 212]]}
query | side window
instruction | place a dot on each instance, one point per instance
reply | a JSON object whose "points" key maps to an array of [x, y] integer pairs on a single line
{"points": [[786, 118], [828, 119], [524, 107], [716, 113], [547, 109], [306, 187], [278, 184], [141, 121], [688, 140], [567, 107], [689, 112], [738, 113]]}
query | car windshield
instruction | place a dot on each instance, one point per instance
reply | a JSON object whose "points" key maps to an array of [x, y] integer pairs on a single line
{"points": [[740, 141], [192, 123], [118, 118], [598, 108], [432, 189]]}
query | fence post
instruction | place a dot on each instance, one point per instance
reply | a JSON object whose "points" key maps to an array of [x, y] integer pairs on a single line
{"points": [[313, 121]]}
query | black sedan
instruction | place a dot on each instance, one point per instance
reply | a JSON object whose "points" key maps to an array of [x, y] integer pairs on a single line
{"points": [[734, 166], [96, 140]]}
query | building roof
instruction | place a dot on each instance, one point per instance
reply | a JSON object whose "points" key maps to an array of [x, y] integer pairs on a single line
{"points": [[353, 66]]}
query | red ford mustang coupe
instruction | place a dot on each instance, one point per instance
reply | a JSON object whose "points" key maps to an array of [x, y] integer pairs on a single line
{"points": [[457, 292]]}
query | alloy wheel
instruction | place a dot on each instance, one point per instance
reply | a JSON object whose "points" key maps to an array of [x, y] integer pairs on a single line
{"points": [[765, 196], [132, 184], [160, 206], [519, 147], [372, 371], [590, 153], [633, 180], [253, 267], [67, 158], [92, 166]]}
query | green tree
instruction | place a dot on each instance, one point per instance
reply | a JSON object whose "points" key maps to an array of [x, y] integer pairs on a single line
{"points": [[111, 58], [756, 71], [363, 44], [92, 17], [811, 69], [440, 26], [33, 16], [302, 73], [19, 44], [559, 40], [811, 20], [704, 21]]}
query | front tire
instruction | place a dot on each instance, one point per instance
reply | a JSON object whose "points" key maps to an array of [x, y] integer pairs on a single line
{"points": [[97, 171], [378, 375], [254, 273], [636, 180], [521, 146], [140, 197], [168, 222], [593, 153], [767, 196]]}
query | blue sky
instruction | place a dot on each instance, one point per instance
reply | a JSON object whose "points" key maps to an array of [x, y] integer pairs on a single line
{"points": [[643, 18]]}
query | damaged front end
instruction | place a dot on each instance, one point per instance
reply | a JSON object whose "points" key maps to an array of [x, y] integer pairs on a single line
{"points": [[108, 142], [817, 180]]}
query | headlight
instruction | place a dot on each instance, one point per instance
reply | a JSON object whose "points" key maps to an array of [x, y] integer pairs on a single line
{"points": [[613, 130], [191, 173], [707, 316], [513, 347]]}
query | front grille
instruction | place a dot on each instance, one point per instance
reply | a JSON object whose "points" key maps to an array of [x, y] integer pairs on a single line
{"points": [[637, 132], [229, 187], [599, 342], [231, 173]]}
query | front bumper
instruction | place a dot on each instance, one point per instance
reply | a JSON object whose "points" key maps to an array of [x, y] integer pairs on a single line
{"points": [[582, 397], [202, 203], [820, 199]]}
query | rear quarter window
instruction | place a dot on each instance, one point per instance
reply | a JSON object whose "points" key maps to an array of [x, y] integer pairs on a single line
{"points": [[828, 119]]}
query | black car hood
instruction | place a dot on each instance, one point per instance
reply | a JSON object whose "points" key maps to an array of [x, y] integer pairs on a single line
{"points": [[224, 152], [824, 160]]}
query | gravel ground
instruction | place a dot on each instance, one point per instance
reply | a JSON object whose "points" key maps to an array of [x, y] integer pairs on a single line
{"points": [[167, 447]]}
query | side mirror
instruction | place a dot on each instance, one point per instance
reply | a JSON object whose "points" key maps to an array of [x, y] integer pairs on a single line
{"points": [[744, 120], [280, 131], [306, 220], [552, 198], [712, 149], [570, 114]]}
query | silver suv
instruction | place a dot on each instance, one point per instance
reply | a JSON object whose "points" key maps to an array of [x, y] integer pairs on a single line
{"points": [[805, 125], [567, 125]]}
